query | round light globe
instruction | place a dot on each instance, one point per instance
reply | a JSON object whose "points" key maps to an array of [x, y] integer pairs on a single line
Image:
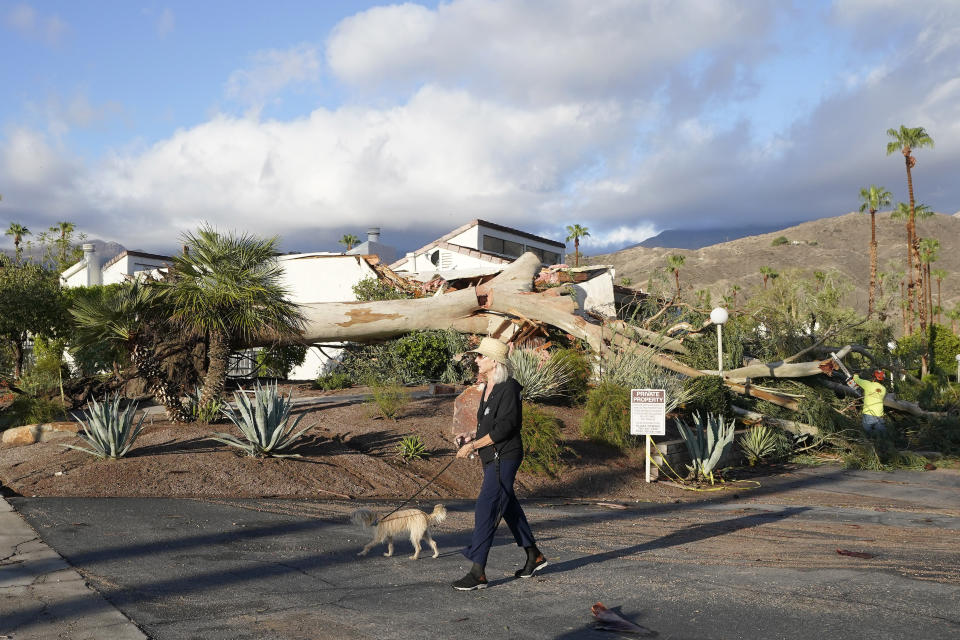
{"points": [[892, 345], [958, 357], [719, 315]]}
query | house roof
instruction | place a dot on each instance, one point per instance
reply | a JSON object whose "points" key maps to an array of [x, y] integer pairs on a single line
{"points": [[467, 251], [442, 242], [135, 254]]}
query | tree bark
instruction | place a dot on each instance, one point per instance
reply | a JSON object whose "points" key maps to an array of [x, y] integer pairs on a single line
{"points": [[798, 428], [17, 347], [219, 356], [149, 368]]}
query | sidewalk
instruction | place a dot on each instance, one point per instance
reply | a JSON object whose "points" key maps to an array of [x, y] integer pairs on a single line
{"points": [[33, 577]]}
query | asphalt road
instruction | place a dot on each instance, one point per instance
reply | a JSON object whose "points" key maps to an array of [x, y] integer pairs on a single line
{"points": [[750, 564]]}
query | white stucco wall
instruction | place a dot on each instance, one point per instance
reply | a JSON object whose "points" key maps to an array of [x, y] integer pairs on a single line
{"points": [[321, 277]]}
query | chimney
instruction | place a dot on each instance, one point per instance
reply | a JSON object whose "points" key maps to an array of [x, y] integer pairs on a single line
{"points": [[92, 261], [373, 234]]}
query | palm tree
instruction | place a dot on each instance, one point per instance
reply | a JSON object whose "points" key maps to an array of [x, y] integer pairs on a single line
{"points": [[675, 262], [734, 289], [939, 274], [575, 232], [18, 231], [65, 229], [767, 273], [954, 315], [131, 317], [349, 240], [227, 287], [872, 198], [929, 247], [905, 140]]}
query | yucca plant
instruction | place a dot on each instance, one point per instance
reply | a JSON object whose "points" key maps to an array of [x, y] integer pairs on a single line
{"points": [[706, 442], [412, 448], [108, 430], [759, 442], [541, 375], [264, 423]]}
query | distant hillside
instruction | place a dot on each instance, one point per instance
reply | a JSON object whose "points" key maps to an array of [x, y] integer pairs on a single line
{"points": [[699, 238], [840, 243]]}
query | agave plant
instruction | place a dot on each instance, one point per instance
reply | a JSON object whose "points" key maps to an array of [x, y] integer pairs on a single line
{"points": [[264, 423], [706, 442], [540, 374], [759, 442], [108, 430]]}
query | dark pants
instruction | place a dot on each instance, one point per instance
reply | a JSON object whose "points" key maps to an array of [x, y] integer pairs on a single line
{"points": [[496, 498]]}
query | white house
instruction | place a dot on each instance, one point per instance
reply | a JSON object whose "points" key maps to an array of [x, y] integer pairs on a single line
{"points": [[477, 248], [322, 277], [89, 271]]}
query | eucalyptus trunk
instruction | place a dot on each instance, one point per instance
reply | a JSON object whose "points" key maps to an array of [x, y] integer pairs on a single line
{"points": [[17, 347], [219, 356], [873, 259], [164, 391]]}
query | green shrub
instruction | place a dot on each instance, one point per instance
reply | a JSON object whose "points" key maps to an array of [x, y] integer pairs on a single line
{"points": [[581, 372], [934, 433], [264, 423], [334, 380], [416, 358], [880, 454], [29, 410], [278, 360], [542, 375], [388, 399], [946, 346], [780, 240], [423, 354], [541, 441], [108, 430], [412, 448], [607, 416], [374, 289], [708, 394]]}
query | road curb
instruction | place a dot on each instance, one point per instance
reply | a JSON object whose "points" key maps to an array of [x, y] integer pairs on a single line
{"points": [[42, 596]]}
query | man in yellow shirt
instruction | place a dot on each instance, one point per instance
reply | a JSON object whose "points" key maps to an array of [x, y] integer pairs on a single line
{"points": [[873, 394]]}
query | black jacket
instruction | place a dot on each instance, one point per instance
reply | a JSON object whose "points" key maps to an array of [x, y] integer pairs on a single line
{"points": [[501, 416]]}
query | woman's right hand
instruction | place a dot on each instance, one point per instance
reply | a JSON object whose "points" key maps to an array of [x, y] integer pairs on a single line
{"points": [[466, 450]]}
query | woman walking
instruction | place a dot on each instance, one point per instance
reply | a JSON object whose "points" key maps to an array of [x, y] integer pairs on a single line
{"points": [[499, 444]]}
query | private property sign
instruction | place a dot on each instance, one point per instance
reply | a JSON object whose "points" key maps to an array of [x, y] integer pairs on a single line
{"points": [[648, 412]]}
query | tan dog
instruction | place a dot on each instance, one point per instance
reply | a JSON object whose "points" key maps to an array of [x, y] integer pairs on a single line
{"points": [[412, 520]]}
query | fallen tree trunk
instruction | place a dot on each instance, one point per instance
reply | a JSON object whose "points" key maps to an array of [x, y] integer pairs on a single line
{"points": [[798, 428], [779, 369], [471, 310]]}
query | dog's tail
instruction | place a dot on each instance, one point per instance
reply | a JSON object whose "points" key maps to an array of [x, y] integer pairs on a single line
{"points": [[439, 514], [363, 518]]}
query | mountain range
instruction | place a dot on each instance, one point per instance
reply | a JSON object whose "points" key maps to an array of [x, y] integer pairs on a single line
{"points": [[841, 243]]}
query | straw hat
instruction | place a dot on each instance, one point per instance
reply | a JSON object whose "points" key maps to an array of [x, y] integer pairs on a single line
{"points": [[493, 349]]}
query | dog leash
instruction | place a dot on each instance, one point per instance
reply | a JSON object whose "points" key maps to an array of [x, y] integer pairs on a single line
{"points": [[405, 502]]}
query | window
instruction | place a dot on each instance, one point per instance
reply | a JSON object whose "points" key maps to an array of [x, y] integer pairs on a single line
{"points": [[549, 257], [503, 247]]}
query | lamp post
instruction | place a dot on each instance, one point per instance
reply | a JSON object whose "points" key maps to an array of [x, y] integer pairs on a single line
{"points": [[718, 316]]}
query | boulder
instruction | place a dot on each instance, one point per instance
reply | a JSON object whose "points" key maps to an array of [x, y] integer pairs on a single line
{"points": [[465, 412], [19, 436]]}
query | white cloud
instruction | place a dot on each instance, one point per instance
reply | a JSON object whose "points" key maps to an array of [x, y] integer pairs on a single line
{"points": [[273, 71], [540, 51], [25, 19], [166, 23]]}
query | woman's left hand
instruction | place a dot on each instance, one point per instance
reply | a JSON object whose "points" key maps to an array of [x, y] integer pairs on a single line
{"points": [[465, 450]]}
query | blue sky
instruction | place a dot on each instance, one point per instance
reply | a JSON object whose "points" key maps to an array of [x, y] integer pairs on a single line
{"points": [[310, 120]]}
